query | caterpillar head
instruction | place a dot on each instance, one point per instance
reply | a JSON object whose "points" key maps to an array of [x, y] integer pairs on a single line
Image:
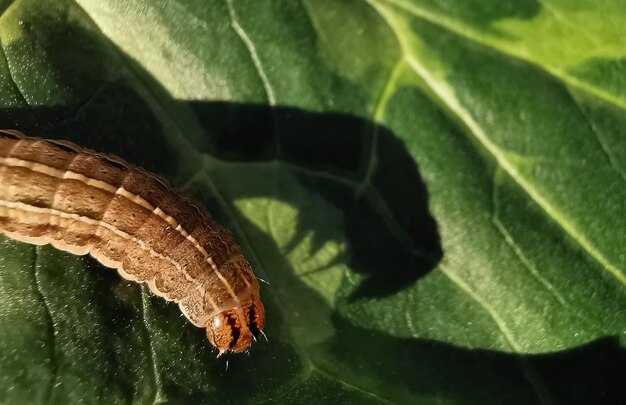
{"points": [[235, 329]]}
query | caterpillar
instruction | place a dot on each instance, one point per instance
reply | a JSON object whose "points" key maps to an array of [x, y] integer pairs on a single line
{"points": [[85, 202]]}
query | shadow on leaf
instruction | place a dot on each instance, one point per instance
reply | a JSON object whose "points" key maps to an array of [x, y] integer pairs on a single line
{"points": [[358, 166]]}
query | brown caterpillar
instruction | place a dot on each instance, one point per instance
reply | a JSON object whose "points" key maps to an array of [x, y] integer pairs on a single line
{"points": [[81, 201]]}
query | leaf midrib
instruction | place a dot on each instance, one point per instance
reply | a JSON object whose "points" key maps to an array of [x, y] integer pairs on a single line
{"points": [[51, 332]]}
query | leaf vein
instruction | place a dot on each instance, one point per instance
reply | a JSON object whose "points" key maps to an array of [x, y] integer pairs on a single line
{"points": [[550, 8], [256, 61], [354, 387], [156, 375], [605, 148], [51, 329], [538, 387], [532, 269], [377, 115], [234, 22]]}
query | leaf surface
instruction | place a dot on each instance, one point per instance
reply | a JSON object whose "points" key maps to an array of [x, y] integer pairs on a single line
{"points": [[434, 191]]}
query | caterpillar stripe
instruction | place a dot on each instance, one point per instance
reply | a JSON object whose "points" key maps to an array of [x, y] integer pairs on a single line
{"points": [[85, 202]]}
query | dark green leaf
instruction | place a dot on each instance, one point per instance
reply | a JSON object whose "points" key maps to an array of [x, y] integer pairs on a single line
{"points": [[435, 191]]}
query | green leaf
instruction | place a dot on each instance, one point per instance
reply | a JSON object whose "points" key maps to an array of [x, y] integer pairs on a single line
{"points": [[434, 190]]}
